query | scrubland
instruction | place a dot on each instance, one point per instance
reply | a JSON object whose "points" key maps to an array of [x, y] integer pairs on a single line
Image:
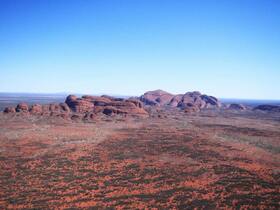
{"points": [[207, 160]]}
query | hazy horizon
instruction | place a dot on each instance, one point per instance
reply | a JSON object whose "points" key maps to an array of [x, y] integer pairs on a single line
{"points": [[228, 49], [124, 95]]}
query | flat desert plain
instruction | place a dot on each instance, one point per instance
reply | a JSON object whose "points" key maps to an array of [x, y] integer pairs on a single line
{"points": [[169, 160]]}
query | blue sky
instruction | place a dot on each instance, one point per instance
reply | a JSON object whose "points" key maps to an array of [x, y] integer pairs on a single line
{"points": [[224, 48]]}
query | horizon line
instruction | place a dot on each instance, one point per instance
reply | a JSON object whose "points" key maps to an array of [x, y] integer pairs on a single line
{"points": [[125, 95]]}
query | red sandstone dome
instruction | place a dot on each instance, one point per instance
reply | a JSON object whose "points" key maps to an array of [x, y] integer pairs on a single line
{"points": [[22, 107], [36, 109], [156, 97], [9, 110], [85, 107], [163, 98], [87, 104]]}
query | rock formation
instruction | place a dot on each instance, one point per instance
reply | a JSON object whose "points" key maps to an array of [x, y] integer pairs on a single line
{"points": [[237, 107], [22, 107], [211, 101], [129, 106], [9, 110], [36, 109], [191, 108], [191, 101], [156, 97], [266, 107], [79, 105], [175, 100], [86, 107]]}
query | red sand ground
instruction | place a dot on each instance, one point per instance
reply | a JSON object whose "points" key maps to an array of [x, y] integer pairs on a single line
{"points": [[176, 161]]}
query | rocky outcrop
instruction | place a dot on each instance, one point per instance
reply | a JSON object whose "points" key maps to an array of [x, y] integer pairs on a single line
{"points": [[79, 105], [183, 101], [106, 105], [89, 116], [64, 107], [136, 102], [86, 107], [211, 101], [97, 101], [269, 108], [22, 107], [156, 97], [191, 108], [237, 107], [70, 99], [175, 100], [36, 109], [193, 98], [9, 110], [111, 110], [131, 107], [112, 98]]}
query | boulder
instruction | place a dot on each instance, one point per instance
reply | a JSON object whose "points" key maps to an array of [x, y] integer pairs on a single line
{"points": [[79, 105], [70, 100], [22, 107], [54, 108], [64, 107], [45, 109], [9, 110], [36, 109]]}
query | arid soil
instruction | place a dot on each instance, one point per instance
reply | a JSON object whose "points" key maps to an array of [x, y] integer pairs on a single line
{"points": [[206, 160]]}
